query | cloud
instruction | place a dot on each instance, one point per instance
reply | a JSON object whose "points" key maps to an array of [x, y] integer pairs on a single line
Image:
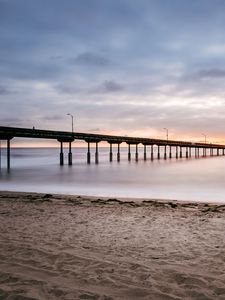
{"points": [[68, 89], [112, 86], [52, 118], [90, 59], [56, 57], [4, 90], [200, 85], [211, 73], [108, 86], [12, 121]]}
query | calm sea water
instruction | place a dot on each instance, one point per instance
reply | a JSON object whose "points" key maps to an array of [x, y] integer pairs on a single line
{"points": [[38, 170]]}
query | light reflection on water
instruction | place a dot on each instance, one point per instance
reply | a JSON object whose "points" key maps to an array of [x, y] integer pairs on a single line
{"points": [[38, 170]]}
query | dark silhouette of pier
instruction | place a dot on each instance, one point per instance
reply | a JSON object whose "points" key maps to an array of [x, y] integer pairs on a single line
{"points": [[183, 148]]}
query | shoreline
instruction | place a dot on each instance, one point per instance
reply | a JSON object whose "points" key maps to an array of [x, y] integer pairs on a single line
{"points": [[138, 201]]}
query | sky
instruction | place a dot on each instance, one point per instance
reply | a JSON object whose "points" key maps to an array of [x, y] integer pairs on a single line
{"points": [[128, 67]]}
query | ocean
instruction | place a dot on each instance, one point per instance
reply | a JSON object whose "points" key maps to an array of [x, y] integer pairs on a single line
{"points": [[38, 170]]}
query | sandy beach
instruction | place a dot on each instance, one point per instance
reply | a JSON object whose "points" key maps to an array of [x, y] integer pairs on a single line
{"points": [[72, 247]]}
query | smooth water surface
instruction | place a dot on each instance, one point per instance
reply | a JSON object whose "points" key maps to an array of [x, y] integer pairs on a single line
{"points": [[38, 170]]}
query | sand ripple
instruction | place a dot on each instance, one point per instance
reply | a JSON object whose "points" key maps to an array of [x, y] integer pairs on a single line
{"points": [[56, 247]]}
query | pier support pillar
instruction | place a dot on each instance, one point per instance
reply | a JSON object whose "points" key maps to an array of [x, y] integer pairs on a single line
{"points": [[129, 154], [8, 154], [176, 152], [189, 151], [180, 152], [165, 152], [136, 154], [70, 160], [218, 152], [158, 156], [170, 155], [145, 155], [118, 153], [61, 155], [96, 153], [152, 152], [195, 152], [88, 154], [110, 153], [223, 151], [186, 152]]}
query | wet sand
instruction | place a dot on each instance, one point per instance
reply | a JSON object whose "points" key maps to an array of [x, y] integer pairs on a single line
{"points": [[71, 247]]}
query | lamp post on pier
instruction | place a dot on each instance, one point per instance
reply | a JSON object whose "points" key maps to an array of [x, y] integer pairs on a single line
{"points": [[204, 136], [70, 142], [71, 120], [167, 133], [204, 153]]}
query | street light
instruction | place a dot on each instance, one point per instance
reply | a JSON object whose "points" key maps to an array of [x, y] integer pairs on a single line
{"points": [[167, 133], [204, 136], [71, 119], [204, 149]]}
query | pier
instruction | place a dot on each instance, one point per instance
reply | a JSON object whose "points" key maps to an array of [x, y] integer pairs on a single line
{"points": [[182, 148]]}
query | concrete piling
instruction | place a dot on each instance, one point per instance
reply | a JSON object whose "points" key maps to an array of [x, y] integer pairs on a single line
{"points": [[145, 154], [152, 152], [61, 155], [8, 154], [88, 154], [70, 162], [110, 153], [118, 152], [158, 156], [129, 154], [96, 153], [136, 153]]}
